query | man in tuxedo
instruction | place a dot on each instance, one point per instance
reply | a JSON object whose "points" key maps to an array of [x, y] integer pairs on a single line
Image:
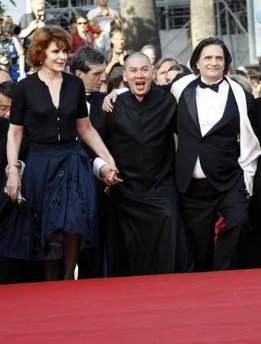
{"points": [[89, 65], [216, 156]]}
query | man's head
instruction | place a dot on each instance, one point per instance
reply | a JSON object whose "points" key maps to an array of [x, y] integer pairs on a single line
{"points": [[4, 75], [89, 64], [6, 94], [102, 2], [37, 5], [161, 69], [211, 59], [138, 73], [150, 51]]}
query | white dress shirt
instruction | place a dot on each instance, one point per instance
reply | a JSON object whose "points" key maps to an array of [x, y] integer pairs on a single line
{"points": [[210, 108]]}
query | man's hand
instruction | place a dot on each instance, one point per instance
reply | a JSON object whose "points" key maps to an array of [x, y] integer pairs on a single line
{"points": [[109, 174], [109, 100], [40, 24], [33, 25]]}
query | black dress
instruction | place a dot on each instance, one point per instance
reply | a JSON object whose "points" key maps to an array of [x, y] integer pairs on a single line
{"points": [[58, 183], [143, 237]]}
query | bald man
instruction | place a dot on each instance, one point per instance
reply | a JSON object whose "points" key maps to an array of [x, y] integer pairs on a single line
{"points": [[143, 236]]}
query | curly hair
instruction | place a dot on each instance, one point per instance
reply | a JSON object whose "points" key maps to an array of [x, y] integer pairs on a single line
{"points": [[42, 39]]}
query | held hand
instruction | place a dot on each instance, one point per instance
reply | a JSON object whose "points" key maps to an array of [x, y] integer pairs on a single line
{"points": [[109, 100], [109, 174]]}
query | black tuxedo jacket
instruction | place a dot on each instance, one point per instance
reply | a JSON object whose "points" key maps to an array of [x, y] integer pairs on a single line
{"points": [[218, 149], [256, 118], [97, 116]]}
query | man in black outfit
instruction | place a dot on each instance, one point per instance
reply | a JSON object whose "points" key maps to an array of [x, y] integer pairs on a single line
{"points": [[89, 65], [143, 235], [216, 157]]}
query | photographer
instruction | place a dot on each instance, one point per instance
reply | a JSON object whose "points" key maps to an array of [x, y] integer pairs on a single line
{"points": [[29, 22], [10, 47]]}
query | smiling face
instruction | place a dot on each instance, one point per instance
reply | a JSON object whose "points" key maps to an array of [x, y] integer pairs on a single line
{"points": [[211, 63], [138, 74], [55, 59]]}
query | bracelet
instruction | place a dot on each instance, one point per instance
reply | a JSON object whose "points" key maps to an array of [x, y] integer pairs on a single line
{"points": [[17, 165]]}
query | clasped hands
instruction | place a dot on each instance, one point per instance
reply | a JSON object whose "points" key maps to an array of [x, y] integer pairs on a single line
{"points": [[109, 175]]}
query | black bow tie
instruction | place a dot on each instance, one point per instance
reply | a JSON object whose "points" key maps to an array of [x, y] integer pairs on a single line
{"points": [[213, 87], [89, 97]]}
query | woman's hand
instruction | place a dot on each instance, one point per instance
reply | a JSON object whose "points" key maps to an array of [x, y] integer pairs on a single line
{"points": [[13, 183], [109, 175]]}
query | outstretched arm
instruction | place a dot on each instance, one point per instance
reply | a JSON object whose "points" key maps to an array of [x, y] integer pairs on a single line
{"points": [[91, 137]]}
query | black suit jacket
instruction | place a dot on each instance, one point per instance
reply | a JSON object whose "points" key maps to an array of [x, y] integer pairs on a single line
{"points": [[218, 149], [256, 117], [97, 116]]}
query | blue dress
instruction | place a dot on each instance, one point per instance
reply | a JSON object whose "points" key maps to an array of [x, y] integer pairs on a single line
{"points": [[58, 183]]}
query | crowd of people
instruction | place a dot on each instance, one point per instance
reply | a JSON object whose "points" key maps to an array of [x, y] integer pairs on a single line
{"points": [[122, 164]]}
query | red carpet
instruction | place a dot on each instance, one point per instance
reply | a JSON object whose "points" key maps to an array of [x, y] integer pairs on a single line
{"points": [[219, 307]]}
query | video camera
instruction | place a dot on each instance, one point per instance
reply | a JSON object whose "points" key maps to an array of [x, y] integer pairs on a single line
{"points": [[40, 17]]}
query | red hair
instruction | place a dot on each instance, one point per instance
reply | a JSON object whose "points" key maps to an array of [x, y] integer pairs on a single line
{"points": [[42, 39]]}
